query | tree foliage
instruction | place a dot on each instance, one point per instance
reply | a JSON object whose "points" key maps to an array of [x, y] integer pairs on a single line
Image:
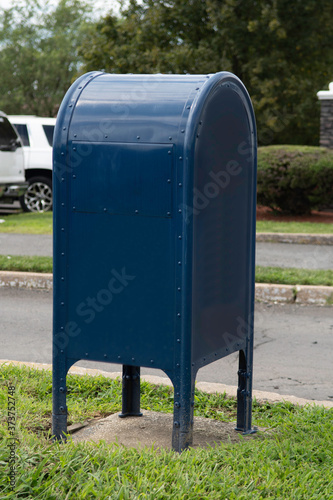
{"points": [[281, 50], [39, 54]]}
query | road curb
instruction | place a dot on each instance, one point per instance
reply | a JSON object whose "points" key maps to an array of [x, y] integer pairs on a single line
{"points": [[300, 238], [208, 387], [299, 294], [15, 279]]}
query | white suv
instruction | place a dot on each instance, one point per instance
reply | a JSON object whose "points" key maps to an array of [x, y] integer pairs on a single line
{"points": [[12, 178], [37, 137]]}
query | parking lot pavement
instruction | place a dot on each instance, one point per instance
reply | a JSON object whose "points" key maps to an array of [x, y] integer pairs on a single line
{"points": [[26, 244], [294, 255]]}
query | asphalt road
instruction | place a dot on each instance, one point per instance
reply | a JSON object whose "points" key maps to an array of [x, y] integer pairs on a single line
{"points": [[293, 344], [26, 244], [267, 254], [294, 255]]}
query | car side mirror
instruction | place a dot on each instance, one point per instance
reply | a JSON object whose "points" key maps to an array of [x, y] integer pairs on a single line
{"points": [[12, 145]]}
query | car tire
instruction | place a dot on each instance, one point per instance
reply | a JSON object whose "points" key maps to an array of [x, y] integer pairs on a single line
{"points": [[38, 196]]}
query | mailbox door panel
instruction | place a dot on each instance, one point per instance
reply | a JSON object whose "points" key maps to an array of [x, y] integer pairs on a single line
{"points": [[121, 290], [121, 269]]}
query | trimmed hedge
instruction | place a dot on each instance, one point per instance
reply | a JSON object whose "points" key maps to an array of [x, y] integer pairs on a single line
{"points": [[295, 179]]}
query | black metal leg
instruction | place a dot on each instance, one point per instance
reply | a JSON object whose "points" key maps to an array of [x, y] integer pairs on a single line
{"points": [[59, 412], [244, 395], [182, 433], [131, 392]]}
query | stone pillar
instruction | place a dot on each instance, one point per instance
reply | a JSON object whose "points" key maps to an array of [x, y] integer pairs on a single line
{"points": [[326, 117]]}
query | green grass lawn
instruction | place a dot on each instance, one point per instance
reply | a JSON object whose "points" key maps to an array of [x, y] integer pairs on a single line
{"points": [[264, 226], [287, 276], [27, 223], [27, 263], [42, 224], [291, 460], [294, 276]]}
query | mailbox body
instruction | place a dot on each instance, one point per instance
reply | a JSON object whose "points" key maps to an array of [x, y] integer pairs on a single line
{"points": [[154, 222]]}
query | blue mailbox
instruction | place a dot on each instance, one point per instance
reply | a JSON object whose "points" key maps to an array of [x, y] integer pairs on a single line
{"points": [[154, 233]]}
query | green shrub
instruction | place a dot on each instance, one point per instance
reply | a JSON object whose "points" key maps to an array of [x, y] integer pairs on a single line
{"points": [[295, 179]]}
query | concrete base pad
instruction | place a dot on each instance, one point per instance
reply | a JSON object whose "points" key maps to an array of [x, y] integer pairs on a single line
{"points": [[155, 429]]}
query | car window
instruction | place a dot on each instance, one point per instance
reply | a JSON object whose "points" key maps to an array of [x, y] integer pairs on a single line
{"points": [[7, 133], [23, 131], [49, 129]]}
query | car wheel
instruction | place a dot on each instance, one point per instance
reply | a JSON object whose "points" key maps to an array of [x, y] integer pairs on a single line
{"points": [[38, 196]]}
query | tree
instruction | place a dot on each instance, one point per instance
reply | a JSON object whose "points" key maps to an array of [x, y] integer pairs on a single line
{"points": [[280, 49], [39, 54]]}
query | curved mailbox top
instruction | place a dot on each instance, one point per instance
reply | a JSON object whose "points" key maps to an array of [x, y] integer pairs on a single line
{"points": [[139, 108]]}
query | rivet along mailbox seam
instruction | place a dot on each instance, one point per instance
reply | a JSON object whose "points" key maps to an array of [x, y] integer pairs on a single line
{"points": [[154, 233]]}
